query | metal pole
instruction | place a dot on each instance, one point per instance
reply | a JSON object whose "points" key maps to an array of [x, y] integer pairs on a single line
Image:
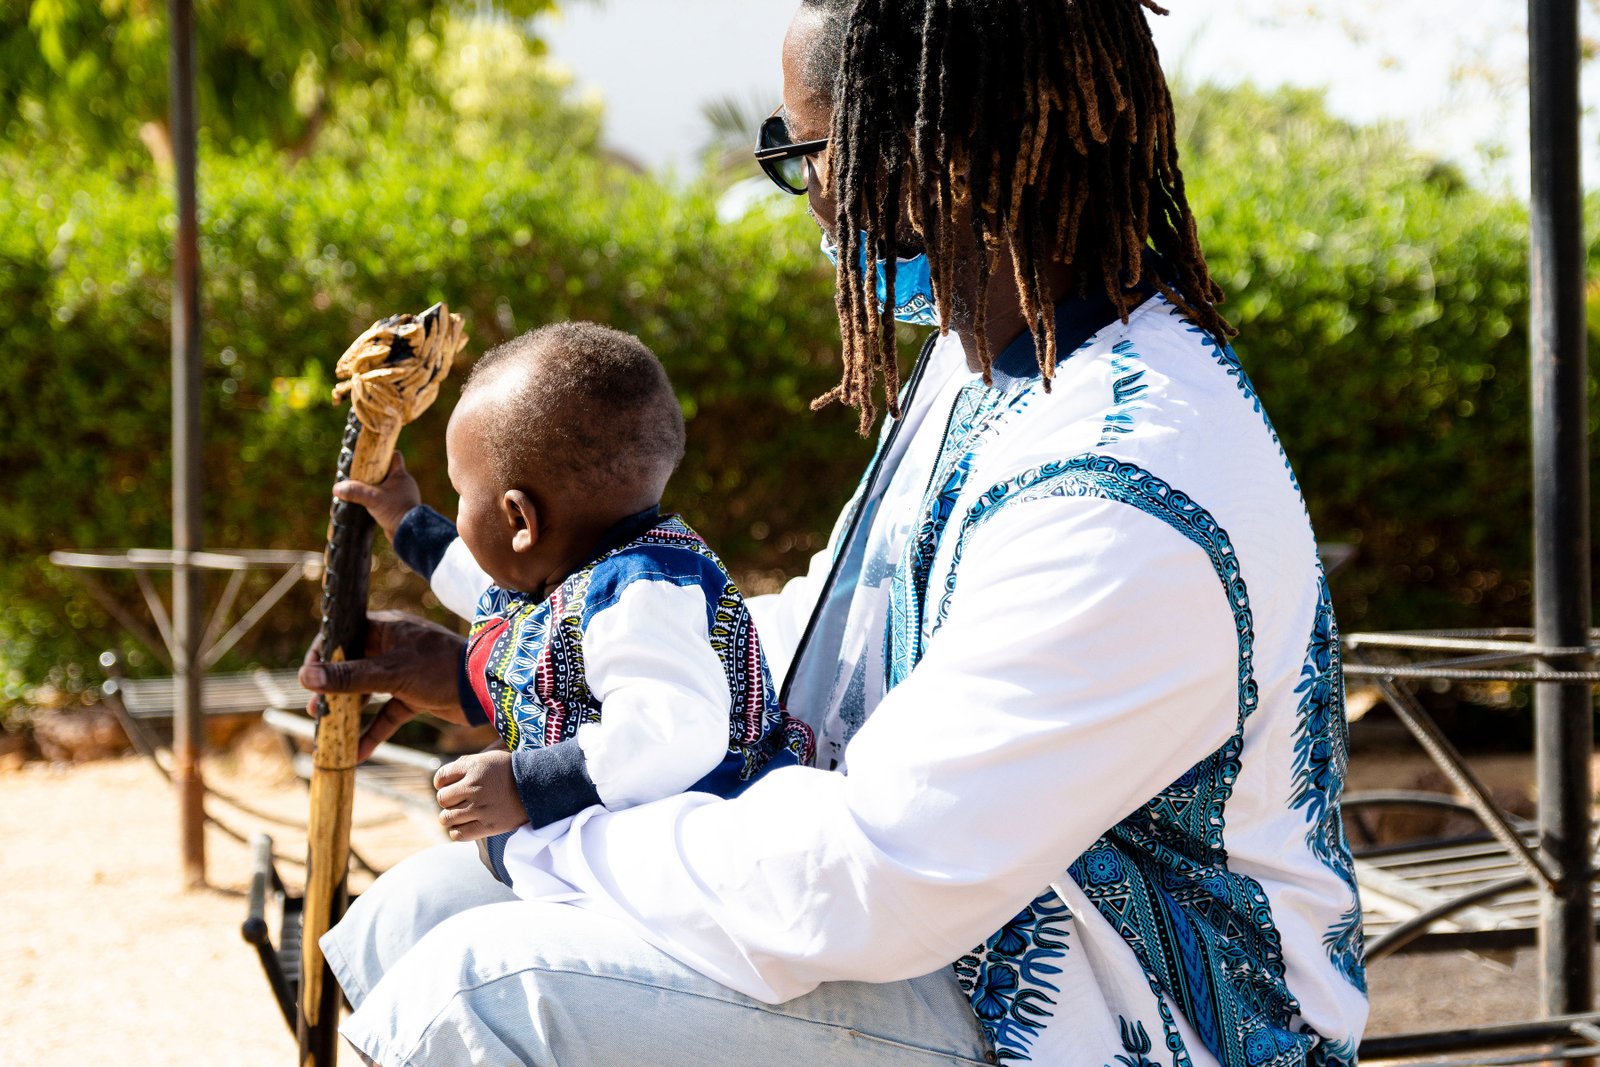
{"points": [[188, 619], [1559, 378]]}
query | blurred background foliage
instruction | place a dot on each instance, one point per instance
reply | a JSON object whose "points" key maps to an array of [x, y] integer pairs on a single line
{"points": [[1382, 308], [383, 156], [90, 76]]}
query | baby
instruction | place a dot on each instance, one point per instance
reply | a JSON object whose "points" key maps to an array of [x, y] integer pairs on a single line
{"points": [[612, 653]]}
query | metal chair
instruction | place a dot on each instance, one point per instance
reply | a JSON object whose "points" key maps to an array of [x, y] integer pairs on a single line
{"points": [[1480, 891]]}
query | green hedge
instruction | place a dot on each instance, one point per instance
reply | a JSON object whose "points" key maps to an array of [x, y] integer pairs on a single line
{"points": [[1382, 304], [296, 264]]}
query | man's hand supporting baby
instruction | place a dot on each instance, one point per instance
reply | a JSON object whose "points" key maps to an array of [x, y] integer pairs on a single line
{"points": [[478, 796]]}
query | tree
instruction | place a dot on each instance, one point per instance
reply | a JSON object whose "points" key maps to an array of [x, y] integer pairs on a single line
{"points": [[731, 122], [92, 73]]}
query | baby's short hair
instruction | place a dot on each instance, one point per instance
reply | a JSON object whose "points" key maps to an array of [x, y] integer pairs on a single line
{"points": [[584, 406]]}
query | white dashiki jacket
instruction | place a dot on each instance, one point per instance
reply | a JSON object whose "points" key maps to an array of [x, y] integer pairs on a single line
{"points": [[640, 675], [1074, 673]]}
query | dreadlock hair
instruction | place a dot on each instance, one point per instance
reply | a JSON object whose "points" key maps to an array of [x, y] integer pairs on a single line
{"points": [[1044, 126]]}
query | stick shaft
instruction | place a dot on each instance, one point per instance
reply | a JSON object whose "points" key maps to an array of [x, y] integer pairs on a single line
{"points": [[391, 373], [364, 456]]}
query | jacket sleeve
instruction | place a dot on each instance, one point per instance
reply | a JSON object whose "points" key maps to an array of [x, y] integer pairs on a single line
{"points": [[426, 542], [665, 703], [781, 617], [1088, 659]]}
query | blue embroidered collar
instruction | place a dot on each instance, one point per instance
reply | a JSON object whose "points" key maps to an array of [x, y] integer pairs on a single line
{"points": [[625, 530], [1078, 318]]}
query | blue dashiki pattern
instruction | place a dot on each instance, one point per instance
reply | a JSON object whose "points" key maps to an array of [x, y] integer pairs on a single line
{"points": [[1203, 934], [525, 655]]}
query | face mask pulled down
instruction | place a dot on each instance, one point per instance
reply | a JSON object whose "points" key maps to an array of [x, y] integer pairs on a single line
{"points": [[913, 285]]}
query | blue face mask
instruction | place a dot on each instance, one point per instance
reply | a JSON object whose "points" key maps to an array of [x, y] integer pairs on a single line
{"points": [[913, 285]]}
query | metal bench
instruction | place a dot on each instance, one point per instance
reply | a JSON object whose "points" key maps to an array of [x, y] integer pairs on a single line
{"points": [[398, 773], [143, 705], [292, 567], [1481, 891], [1478, 890], [395, 772], [1468, 894]]}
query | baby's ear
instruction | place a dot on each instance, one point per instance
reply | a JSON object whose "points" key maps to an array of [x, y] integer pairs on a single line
{"points": [[522, 518]]}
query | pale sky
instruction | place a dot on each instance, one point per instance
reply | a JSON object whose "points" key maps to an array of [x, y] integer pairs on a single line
{"points": [[1453, 71]]}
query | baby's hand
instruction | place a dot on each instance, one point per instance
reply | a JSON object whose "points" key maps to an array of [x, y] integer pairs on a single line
{"points": [[388, 501], [478, 796]]}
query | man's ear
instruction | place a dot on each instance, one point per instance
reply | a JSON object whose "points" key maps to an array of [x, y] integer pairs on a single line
{"points": [[522, 517]]}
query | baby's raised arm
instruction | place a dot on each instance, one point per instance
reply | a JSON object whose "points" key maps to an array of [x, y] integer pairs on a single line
{"points": [[389, 501]]}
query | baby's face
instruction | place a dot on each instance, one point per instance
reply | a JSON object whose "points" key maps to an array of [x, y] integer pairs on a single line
{"points": [[481, 520]]}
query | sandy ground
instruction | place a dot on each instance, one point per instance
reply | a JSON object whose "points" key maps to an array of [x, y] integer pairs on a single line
{"points": [[107, 959]]}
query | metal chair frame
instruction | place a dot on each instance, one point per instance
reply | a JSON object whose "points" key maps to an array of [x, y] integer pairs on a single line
{"points": [[1490, 867], [295, 566]]}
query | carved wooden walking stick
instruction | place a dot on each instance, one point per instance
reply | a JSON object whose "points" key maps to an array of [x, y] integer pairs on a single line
{"points": [[391, 374]]}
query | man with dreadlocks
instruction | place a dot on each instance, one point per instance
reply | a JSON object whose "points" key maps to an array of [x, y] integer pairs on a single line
{"points": [[1070, 655]]}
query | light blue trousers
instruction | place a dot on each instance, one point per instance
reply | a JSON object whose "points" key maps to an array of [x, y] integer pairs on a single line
{"points": [[444, 965]]}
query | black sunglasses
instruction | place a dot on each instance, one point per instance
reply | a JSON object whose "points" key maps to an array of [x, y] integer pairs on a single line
{"points": [[783, 160]]}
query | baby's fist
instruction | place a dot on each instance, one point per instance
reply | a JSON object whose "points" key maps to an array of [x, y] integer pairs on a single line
{"points": [[478, 796], [389, 500]]}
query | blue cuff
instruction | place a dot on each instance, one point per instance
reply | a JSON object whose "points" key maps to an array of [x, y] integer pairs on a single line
{"points": [[492, 851], [553, 781], [476, 715], [421, 539]]}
